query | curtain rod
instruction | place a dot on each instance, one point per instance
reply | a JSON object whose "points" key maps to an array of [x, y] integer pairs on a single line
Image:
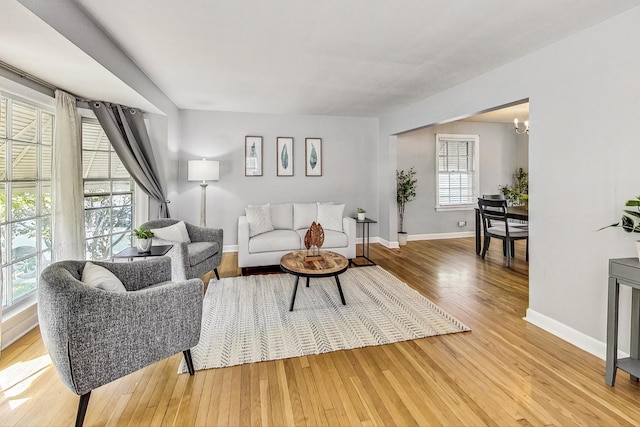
{"points": [[27, 79], [42, 86]]}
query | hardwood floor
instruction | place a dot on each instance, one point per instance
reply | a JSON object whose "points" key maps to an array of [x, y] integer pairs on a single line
{"points": [[504, 372]]}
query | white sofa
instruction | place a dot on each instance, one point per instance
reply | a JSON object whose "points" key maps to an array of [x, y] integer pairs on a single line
{"points": [[268, 232]]}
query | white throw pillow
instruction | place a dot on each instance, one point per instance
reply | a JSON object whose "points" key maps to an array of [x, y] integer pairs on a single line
{"points": [[101, 278], [282, 216], [173, 233], [304, 214], [330, 216], [259, 219]]}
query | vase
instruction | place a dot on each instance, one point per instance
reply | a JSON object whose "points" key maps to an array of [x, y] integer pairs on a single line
{"points": [[402, 238], [361, 216], [144, 245]]}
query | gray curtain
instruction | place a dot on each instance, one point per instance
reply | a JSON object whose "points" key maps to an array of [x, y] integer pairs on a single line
{"points": [[127, 132]]}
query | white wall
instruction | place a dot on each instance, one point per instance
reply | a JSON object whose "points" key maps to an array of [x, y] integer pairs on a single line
{"points": [[583, 94], [349, 156], [498, 161]]}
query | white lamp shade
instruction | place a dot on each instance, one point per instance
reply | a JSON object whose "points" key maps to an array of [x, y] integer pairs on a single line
{"points": [[204, 170]]}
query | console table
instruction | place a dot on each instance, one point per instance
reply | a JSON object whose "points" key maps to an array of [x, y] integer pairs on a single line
{"points": [[623, 271]]}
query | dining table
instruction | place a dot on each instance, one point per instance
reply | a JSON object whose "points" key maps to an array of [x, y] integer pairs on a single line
{"points": [[513, 212]]}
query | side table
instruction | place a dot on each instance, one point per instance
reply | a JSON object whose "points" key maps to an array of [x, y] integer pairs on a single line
{"points": [[132, 253], [623, 271], [365, 243]]}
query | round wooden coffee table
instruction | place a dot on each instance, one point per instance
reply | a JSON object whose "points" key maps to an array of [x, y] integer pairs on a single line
{"points": [[330, 264]]}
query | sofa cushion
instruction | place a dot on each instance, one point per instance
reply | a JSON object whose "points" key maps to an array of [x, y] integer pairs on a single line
{"points": [[199, 251], [332, 239], [259, 219], [304, 214], [276, 240], [282, 216], [330, 216], [173, 233], [101, 278]]}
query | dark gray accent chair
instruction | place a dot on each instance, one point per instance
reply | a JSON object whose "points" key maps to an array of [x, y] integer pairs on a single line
{"points": [[94, 336], [191, 260]]}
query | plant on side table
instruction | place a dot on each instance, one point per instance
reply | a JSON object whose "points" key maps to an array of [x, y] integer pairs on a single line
{"points": [[361, 214], [630, 220], [143, 239], [405, 192]]}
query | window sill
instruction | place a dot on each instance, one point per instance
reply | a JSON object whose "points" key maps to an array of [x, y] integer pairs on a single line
{"points": [[455, 208]]}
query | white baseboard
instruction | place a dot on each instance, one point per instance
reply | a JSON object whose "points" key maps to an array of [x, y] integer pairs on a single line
{"points": [[438, 236], [572, 336], [230, 248]]}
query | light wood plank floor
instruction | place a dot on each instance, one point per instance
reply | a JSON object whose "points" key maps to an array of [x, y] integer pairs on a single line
{"points": [[504, 372]]}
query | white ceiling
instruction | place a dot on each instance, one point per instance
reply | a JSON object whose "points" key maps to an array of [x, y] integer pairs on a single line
{"points": [[332, 57]]}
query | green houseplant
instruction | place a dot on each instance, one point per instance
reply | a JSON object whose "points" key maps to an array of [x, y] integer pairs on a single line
{"points": [[143, 236], [518, 193], [361, 214], [630, 220], [406, 184]]}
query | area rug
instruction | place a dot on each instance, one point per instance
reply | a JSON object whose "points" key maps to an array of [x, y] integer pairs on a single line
{"points": [[247, 319]]}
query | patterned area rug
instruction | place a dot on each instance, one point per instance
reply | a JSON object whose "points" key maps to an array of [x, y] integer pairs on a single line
{"points": [[247, 319]]}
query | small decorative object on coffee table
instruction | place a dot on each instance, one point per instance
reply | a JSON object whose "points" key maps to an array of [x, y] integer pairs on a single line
{"points": [[329, 264], [313, 240], [144, 239]]}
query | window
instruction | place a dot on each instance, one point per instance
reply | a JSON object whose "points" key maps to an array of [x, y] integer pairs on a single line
{"points": [[108, 195], [26, 141], [457, 171]]}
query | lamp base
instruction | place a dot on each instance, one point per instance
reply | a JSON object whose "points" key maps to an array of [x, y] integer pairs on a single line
{"points": [[203, 205]]}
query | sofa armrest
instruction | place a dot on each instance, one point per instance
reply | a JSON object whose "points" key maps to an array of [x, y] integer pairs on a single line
{"points": [[243, 241], [349, 228]]}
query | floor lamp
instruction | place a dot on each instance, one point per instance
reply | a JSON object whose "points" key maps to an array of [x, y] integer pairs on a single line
{"points": [[204, 170]]}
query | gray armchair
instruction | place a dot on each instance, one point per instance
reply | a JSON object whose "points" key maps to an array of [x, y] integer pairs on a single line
{"points": [[191, 260], [94, 336]]}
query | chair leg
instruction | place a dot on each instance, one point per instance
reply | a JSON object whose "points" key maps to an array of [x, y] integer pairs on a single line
{"points": [[504, 248], [527, 249], [215, 270], [187, 358], [509, 253], [487, 241], [82, 409], [513, 248]]}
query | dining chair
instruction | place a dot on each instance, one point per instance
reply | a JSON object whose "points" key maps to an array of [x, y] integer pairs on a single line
{"points": [[513, 222], [495, 224]]}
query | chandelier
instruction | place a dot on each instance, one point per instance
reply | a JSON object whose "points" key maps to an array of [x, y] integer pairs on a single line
{"points": [[517, 127]]}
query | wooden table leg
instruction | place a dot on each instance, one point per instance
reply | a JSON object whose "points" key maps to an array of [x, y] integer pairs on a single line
{"points": [[293, 296], [340, 290]]}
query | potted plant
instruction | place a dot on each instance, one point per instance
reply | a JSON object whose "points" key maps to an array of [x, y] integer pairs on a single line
{"points": [[361, 214], [405, 192], [143, 236], [630, 220], [518, 194]]}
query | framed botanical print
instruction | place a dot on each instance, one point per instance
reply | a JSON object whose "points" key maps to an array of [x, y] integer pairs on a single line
{"points": [[284, 153], [253, 156], [313, 156]]}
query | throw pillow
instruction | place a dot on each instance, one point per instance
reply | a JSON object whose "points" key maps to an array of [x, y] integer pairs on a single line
{"points": [[259, 219], [101, 278], [330, 216], [173, 233], [304, 214]]}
